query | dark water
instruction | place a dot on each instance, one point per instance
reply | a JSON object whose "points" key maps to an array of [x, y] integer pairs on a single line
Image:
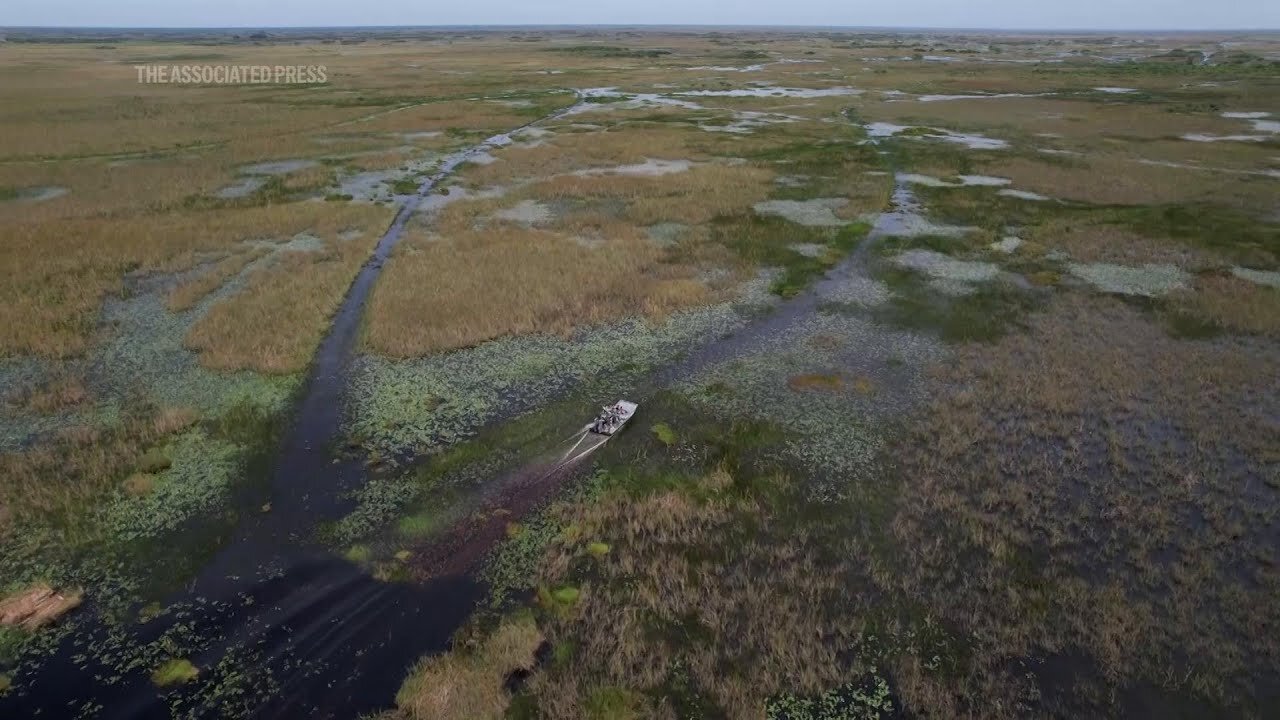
{"points": [[282, 627]]}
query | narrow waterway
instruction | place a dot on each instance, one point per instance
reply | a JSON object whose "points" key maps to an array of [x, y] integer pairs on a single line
{"points": [[283, 627]]}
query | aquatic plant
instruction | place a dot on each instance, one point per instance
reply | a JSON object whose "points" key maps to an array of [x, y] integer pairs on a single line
{"points": [[867, 700], [837, 435], [418, 405], [198, 480], [945, 267], [174, 672], [1150, 280], [664, 433]]}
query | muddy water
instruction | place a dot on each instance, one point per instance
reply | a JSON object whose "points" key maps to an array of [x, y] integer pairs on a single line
{"points": [[278, 626]]}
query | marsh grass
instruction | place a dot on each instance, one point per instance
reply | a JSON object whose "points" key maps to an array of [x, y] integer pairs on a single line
{"points": [[58, 394], [698, 559], [1062, 473], [52, 303], [185, 295], [535, 281], [1224, 303], [989, 312], [285, 307], [55, 481], [470, 683], [766, 241]]}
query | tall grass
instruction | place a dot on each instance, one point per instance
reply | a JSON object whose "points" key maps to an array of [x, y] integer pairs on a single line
{"points": [[275, 323], [446, 293], [469, 683]]}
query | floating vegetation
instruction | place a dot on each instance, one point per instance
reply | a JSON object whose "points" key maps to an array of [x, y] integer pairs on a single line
{"points": [[818, 212], [421, 404], [146, 340], [944, 267], [1150, 280], [174, 672], [836, 435], [857, 290], [195, 481], [1262, 277]]}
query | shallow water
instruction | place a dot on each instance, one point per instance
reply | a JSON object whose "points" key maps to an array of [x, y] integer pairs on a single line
{"points": [[773, 91], [818, 212], [244, 188], [997, 96], [965, 180], [1023, 195], [278, 167], [650, 168], [41, 194], [877, 130]]}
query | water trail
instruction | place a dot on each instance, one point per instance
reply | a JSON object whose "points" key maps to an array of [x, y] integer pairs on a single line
{"points": [[324, 637], [903, 211]]}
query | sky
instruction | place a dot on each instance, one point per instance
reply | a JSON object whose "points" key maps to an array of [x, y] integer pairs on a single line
{"points": [[1016, 14]]}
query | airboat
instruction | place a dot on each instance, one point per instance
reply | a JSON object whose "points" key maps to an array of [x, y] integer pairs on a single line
{"points": [[613, 417]]}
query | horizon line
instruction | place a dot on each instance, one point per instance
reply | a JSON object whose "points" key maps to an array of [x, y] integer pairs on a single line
{"points": [[753, 26]]}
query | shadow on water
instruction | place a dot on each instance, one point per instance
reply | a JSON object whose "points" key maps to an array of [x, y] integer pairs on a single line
{"points": [[277, 626]]}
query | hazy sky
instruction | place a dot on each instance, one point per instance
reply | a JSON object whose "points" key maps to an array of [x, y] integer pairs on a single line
{"points": [[1079, 14]]}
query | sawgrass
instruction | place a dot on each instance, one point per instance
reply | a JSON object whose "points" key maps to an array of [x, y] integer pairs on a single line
{"points": [[533, 281], [188, 293], [286, 308], [1228, 304], [1086, 536], [469, 683], [57, 274]]}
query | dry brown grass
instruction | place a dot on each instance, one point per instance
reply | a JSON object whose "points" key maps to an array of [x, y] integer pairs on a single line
{"points": [[569, 151], [469, 685], [1107, 180], [56, 275], [187, 294], [74, 109], [58, 394], [675, 570], [1233, 304], [1100, 242], [37, 607], [275, 323], [470, 115], [309, 179], [694, 196], [532, 281], [52, 483]]}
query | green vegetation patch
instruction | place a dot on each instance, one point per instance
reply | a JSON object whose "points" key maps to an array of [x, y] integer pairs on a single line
{"points": [[986, 313], [174, 672], [866, 700]]}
